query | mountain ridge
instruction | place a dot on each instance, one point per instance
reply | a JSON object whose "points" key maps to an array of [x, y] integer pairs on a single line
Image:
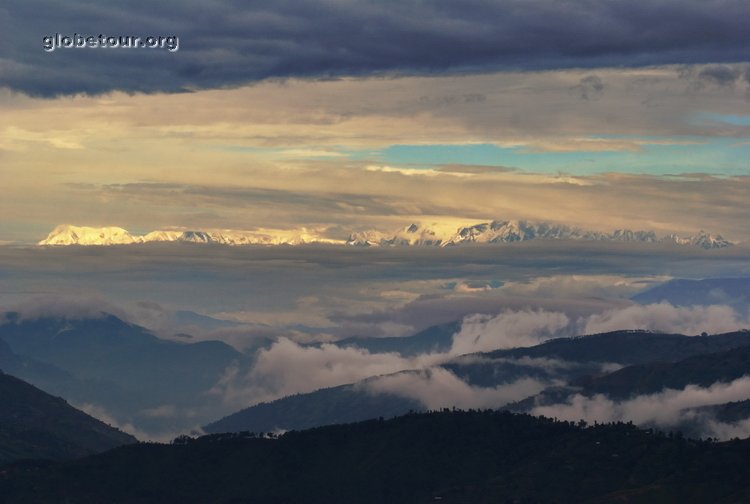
{"points": [[358, 401], [118, 366], [68, 234], [511, 231], [35, 424], [492, 232], [449, 456]]}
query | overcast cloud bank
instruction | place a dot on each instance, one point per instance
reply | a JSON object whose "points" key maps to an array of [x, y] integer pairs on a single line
{"points": [[229, 43]]}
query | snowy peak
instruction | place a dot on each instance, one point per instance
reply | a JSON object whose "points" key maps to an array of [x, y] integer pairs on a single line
{"points": [[514, 231], [496, 232], [82, 235], [162, 236], [409, 235], [703, 239]]}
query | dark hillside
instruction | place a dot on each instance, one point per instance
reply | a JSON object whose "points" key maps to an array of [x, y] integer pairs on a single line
{"points": [[453, 457], [34, 424]]}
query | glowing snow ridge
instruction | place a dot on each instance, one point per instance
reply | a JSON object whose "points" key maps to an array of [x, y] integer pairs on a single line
{"points": [[495, 232], [81, 235], [515, 231]]}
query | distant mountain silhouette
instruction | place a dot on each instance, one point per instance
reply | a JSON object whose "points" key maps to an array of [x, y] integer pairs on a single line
{"points": [[335, 405], [61, 383], [114, 364], [437, 338], [703, 370], [734, 292], [629, 347]]}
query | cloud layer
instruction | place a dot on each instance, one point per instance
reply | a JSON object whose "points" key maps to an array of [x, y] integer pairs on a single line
{"points": [[228, 42], [349, 155], [288, 367], [438, 388], [522, 328], [664, 317], [668, 408], [510, 329], [283, 366]]}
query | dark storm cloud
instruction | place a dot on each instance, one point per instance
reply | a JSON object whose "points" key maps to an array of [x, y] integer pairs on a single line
{"points": [[590, 87], [226, 42], [725, 76]]}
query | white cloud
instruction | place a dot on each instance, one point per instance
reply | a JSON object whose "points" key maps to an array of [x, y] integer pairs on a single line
{"points": [[522, 328], [289, 368], [439, 388], [723, 430], [579, 286], [666, 408], [666, 318], [72, 307], [481, 333], [103, 415]]}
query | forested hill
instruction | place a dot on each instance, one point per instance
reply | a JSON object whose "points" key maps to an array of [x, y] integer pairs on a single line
{"points": [[34, 424], [629, 347], [450, 456]]}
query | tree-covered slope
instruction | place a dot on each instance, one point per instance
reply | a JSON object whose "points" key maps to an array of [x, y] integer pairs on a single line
{"points": [[453, 457], [629, 347], [335, 405], [34, 424], [702, 370]]}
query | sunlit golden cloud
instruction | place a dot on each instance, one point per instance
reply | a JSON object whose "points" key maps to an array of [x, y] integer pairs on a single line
{"points": [[310, 153]]}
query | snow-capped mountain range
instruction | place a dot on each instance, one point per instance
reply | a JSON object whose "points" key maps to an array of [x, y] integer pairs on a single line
{"points": [[82, 235], [495, 232], [515, 231]]}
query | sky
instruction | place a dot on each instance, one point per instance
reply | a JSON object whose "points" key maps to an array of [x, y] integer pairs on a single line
{"points": [[349, 115], [341, 116]]}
